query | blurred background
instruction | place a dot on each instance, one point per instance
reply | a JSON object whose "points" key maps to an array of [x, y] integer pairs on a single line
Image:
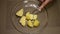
{"points": [[53, 26]]}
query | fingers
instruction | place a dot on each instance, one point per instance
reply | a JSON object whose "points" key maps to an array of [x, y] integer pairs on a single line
{"points": [[44, 4]]}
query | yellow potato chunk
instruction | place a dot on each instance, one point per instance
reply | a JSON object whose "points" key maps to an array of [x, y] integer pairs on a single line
{"points": [[29, 23], [35, 17], [28, 15], [31, 16], [23, 20], [36, 23], [20, 12]]}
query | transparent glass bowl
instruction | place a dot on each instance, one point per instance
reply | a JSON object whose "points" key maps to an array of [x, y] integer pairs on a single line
{"points": [[42, 17]]}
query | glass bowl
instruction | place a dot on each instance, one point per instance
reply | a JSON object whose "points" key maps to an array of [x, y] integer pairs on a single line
{"points": [[42, 17]]}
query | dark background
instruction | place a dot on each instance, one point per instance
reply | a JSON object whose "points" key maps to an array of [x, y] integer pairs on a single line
{"points": [[53, 15]]}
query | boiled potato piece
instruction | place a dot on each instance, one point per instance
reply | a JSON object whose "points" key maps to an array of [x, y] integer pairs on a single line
{"points": [[31, 16], [23, 20], [20, 12], [29, 23], [28, 15], [35, 17], [36, 23]]}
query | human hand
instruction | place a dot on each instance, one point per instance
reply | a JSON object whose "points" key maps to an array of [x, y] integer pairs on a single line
{"points": [[44, 3]]}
